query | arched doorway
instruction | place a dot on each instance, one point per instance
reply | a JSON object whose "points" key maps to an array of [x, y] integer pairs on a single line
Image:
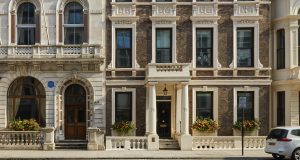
{"points": [[75, 112], [26, 99]]}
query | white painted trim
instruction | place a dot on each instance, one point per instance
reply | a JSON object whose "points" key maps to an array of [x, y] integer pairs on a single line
{"points": [[125, 82], [115, 26], [172, 25], [256, 101], [237, 23], [214, 26], [215, 91], [124, 89]]}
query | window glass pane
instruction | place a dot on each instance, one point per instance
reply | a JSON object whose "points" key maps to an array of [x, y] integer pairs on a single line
{"points": [[280, 108], [296, 132], [163, 0], [245, 47], [73, 35], [123, 110], [163, 46], [246, 100], [75, 95], [26, 100], [123, 48], [204, 104], [244, 57], [26, 13], [280, 49], [204, 55], [26, 36], [73, 13]]}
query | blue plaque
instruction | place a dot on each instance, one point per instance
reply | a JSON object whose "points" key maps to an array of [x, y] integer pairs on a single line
{"points": [[51, 84]]}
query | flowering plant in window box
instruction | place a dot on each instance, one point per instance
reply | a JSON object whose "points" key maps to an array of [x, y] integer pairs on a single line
{"points": [[123, 128], [24, 125], [205, 127], [250, 127]]}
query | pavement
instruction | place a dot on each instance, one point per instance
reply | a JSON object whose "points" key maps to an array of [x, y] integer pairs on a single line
{"points": [[162, 154]]}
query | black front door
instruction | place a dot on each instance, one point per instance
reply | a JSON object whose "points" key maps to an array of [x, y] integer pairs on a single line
{"points": [[164, 119]]}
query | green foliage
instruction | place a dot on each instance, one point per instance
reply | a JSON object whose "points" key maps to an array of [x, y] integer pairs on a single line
{"points": [[249, 125], [123, 126], [205, 125], [24, 125]]}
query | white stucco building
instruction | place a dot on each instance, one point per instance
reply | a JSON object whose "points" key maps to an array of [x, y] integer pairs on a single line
{"points": [[286, 62], [51, 64]]}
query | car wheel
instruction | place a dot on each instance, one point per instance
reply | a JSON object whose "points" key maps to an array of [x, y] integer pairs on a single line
{"points": [[277, 156], [296, 154]]}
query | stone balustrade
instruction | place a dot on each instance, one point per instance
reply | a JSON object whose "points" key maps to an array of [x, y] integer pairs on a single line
{"points": [[21, 140], [164, 9], [123, 9], [227, 142], [50, 51], [126, 143], [249, 8], [173, 71]]}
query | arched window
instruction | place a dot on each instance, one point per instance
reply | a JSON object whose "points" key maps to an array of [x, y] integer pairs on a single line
{"points": [[27, 100], [73, 23], [26, 24]]}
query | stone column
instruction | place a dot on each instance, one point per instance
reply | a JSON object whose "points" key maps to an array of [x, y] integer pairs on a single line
{"points": [[185, 109], [185, 138], [178, 109], [147, 110], [60, 26], [48, 138], [153, 139]]}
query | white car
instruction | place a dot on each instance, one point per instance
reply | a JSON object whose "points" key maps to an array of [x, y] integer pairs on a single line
{"points": [[284, 142]]}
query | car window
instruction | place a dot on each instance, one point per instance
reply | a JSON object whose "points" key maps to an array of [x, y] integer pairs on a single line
{"points": [[296, 132], [278, 134]]}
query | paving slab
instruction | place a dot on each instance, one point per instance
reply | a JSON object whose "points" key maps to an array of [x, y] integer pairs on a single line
{"points": [[165, 154]]}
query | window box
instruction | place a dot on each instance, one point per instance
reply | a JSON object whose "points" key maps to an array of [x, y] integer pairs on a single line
{"points": [[246, 133], [208, 133]]}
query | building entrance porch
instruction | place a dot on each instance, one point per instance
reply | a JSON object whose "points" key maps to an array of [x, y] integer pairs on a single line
{"points": [[167, 114]]}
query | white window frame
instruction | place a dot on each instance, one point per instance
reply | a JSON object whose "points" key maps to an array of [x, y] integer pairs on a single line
{"points": [[214, 26], [115, 26], [215, 91], [124, 89], [245, 24], [256, 100], [156, 25]]}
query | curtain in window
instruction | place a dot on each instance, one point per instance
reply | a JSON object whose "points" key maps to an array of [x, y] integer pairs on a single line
{"points": [[74, 27], [204, 48], [26, 24], [26, 100]]}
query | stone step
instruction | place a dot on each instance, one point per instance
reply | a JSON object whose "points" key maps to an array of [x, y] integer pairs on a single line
{"points": [[168, 144], [71, 144]]}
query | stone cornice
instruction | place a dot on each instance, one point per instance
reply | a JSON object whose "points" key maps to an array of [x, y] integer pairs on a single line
{"points": [[164, 18]]}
